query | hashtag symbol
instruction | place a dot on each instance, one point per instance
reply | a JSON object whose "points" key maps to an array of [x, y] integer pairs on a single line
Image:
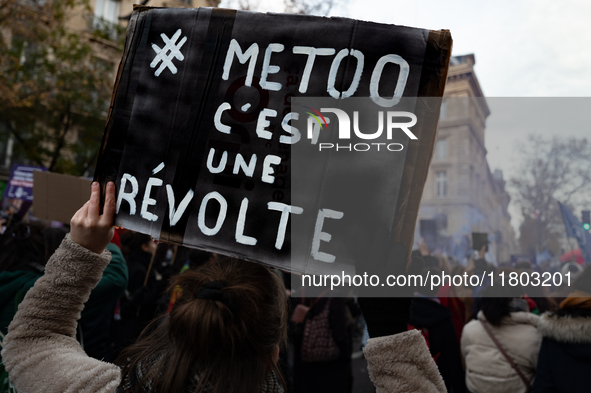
{"points": [[168, 53]]}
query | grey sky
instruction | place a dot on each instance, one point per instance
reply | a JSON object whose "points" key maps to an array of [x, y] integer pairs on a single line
{"points": [[523, 48]]}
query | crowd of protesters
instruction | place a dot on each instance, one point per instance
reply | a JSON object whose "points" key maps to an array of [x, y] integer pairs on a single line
{"points": [[480, 339], [503, 338]]}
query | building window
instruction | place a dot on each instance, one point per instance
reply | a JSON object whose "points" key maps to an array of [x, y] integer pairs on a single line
{"points": [[443, 110], [441, 149], [441, 184], [107, 10], [105, 21]]}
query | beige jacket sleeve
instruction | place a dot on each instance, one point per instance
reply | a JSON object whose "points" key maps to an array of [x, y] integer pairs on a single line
{"points": [[40, 352], [402, 363]]}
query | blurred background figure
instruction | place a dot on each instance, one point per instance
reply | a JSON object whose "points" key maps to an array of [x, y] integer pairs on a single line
{"points": [[99, 311], [435, 322], [22, 262], [565, 356], [509, 321], [25, 249], [23, 256], [141, 300], [196, 258], [324, 375]]}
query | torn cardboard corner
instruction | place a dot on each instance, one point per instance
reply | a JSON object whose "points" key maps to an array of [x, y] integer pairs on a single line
{"points": [[57, 197]]}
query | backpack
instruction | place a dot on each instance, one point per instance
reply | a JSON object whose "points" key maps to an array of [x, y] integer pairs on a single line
{"points": [[318, 345]]}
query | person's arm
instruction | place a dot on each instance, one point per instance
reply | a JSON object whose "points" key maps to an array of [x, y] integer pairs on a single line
{"points": [[40, 352], [402, 363], [398, 360], [111, 286]]}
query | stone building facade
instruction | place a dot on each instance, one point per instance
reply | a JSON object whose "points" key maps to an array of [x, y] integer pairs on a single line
{"points": [[112, 17], [461, 194]]}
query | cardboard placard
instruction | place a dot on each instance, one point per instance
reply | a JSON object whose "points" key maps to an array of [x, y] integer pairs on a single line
{"points": [[20, 183], [479, 240], [201, 136], [57, 197]]}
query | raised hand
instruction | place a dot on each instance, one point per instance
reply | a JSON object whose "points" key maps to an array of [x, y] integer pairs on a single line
{"points": [[91, 229]]}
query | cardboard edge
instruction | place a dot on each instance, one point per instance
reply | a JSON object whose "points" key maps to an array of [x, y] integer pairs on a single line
{"points": [[128, 39], [39, 194], [57, 197], [416, 168]]}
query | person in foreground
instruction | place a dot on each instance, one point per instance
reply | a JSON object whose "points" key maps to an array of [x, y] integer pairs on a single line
{"points": [[222, 335]]}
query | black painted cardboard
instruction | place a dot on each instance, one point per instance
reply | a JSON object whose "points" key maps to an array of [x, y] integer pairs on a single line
{"points": [[161, 122]]}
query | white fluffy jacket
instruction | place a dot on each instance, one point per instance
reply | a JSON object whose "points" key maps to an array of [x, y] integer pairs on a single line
{"points": [[42, 355], [487, 370]]}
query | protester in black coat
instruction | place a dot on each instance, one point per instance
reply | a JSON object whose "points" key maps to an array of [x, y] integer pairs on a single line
{"points": [[435, 321], [139, 305], [564, 363]]}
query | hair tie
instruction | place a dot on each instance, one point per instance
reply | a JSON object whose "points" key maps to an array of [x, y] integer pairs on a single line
{"points": [[213, 291]]}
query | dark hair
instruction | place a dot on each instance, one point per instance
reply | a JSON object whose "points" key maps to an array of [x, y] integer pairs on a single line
{"points": [[495, 302], [198, 258], [131, 242], [228, 343], [138, 240], [495, 309], [53, 238], [22, 247]]}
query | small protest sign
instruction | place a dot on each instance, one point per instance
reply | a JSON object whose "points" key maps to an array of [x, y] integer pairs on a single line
{"points": [[228, 131], [479, 240], [20, 183]]}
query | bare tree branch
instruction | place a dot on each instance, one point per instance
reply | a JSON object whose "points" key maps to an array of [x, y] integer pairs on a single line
{"points": [[552, 169]]}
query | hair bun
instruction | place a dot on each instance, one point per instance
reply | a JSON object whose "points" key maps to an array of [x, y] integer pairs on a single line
{"points": [[213, 291]]}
